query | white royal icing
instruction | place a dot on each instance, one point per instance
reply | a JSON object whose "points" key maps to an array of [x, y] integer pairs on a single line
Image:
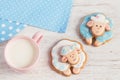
{"points": [[56, 56], [99, 18], [67, 49]]}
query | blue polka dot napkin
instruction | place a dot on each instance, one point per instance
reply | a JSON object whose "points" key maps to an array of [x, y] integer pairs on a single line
{"points": [[51, 15], [9, 28]]}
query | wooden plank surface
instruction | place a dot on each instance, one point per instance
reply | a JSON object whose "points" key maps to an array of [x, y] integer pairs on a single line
{"points": [[103, 62]]}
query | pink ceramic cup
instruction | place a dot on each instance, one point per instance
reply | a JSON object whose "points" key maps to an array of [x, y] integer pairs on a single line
{"points": [[12, 60]]}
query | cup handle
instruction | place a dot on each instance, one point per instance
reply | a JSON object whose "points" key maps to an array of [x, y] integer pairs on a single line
{"points": [[37, 37]]}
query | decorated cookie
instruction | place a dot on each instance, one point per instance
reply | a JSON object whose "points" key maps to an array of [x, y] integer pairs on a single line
{"points": [[68, 57], [96, 29]]}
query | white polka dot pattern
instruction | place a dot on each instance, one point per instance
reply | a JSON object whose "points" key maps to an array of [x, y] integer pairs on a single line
{"points": [[9, 28], [52, 15]]}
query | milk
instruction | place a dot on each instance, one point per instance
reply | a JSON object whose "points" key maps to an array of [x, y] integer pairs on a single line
{"points": [[21, 53]]}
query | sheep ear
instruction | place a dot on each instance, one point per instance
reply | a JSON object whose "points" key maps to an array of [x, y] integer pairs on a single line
{"points": [[90, 23], [107, 27], [64, 59]]}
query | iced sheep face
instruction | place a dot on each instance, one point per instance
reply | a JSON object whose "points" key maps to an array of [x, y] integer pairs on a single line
{"points": [[98, 28], [71, 57]]}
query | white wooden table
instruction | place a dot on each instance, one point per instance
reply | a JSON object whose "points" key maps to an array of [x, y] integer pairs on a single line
{"points": [[103, 62]]}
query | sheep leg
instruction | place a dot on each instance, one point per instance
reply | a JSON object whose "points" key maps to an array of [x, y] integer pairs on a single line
{"points": [[97, 43], [67, 72], [76, 70], [88, 41]]}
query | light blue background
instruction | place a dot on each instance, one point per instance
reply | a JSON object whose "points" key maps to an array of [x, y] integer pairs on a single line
{"points": [[52, 15]]}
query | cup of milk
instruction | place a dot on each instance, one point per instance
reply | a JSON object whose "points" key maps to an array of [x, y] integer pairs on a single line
{"points": [[22, 53]]}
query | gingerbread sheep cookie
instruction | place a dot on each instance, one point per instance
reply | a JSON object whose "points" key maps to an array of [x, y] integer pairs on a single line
{"points": [[68, 57], [96, 29]]}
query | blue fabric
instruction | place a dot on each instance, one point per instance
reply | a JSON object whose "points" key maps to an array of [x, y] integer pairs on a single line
{"points": [[8, 29], [107, 35], [52, 15], [85, 32]]}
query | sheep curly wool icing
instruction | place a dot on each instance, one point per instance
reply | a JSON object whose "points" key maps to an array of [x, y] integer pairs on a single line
{"points": [[67, 49]]}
